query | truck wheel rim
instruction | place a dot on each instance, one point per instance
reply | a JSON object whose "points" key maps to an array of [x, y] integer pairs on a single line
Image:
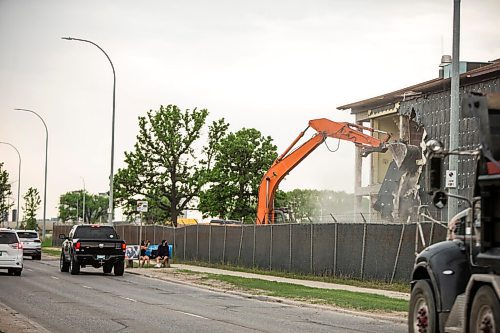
{"points": [[421, 316], [485, 322]]}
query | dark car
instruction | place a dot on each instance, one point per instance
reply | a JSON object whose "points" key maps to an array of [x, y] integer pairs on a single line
{"points": [[93, 245]]}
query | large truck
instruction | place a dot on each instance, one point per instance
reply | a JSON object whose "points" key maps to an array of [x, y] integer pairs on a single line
{"points": [[455, 284]]}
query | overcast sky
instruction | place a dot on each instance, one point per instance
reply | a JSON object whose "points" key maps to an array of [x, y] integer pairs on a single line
{"points": [[270, 65]]}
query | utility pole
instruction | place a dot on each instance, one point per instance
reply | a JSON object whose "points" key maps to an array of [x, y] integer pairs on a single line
{"points": [[454, 105]]}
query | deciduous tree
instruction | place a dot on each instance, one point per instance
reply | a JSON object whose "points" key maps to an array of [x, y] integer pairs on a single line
{"points": [[5, 192], [169, 163], [240, 161], [71, 207], [32, 202]]}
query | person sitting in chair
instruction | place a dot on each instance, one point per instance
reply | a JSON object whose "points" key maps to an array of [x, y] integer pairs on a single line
{"points": [[143, 258], [163, 255]]}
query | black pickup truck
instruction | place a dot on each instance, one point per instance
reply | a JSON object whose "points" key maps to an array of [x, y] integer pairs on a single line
{"points": [[92, 245]]}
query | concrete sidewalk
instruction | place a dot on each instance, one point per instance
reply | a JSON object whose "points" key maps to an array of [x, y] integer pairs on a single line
{"points": [[308, 283]]}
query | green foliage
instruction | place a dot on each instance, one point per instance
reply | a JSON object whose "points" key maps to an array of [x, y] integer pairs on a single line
{"points": [[71, 204], [307, 204], [168, 165], [241, 159], [5, 192], [340, 298], [47, 242], [32, 202]]}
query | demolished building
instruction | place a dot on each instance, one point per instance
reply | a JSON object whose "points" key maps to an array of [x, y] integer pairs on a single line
{"points": [[412, 114]]}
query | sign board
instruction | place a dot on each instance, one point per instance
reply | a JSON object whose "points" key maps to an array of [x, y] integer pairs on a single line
{"points": [[132, 252], [451, 178], [142, 206]]}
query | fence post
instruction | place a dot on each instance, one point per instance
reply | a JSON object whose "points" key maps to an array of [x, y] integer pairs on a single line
{"points": [[397, 254], [253, 255], [416, 240], [209, 241], [271, 250], [335, 248], [137, 235], [224, 245], [431, 234], [241, 244], [312, 248], [364, 248], [197, 240], [290, 262], [175, 231]]}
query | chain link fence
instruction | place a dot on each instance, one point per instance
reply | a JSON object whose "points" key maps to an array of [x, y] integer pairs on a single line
{"points": [[371, 251]]}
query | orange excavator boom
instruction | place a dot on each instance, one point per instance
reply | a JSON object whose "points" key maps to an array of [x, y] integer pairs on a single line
{"points": [[291, 158]]}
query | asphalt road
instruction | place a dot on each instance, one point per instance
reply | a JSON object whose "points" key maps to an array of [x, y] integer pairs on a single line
{"points": [[93, 302]]}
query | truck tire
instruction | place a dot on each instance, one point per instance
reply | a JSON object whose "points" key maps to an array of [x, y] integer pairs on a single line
{"points": [[63, 264], [107, 268], [119, 267], [422, 316], [74, 266], [485, 311]]}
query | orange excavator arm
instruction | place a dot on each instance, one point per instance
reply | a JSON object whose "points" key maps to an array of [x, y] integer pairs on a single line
{"points": [[288, 160]]}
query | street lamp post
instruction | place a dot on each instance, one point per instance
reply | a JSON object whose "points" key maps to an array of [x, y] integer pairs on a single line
{"points": [[46, 154], [111, 206], [18, 182]]}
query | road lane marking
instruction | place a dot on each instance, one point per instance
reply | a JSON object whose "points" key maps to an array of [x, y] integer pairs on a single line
{"points": [[129, 299], [29, 269], [56, 278], [192, 315], [87, 287]]}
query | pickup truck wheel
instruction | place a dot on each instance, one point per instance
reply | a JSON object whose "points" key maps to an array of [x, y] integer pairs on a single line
{"points": [[74, 266], [63, 264], [422, 315], [485, 311], [119, 267], [107, 268]]}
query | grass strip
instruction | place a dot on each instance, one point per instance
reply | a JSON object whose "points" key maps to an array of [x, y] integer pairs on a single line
{"points": [[396, 286], [51, 251], [339, 298], [47, 242]]}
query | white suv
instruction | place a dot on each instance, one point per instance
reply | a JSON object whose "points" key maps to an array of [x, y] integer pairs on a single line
{"points": [[11, 251], [32, 245]]}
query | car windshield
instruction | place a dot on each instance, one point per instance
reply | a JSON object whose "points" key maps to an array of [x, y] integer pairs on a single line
{"points": [[7, 238], [23, 234], [95, 233]]}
